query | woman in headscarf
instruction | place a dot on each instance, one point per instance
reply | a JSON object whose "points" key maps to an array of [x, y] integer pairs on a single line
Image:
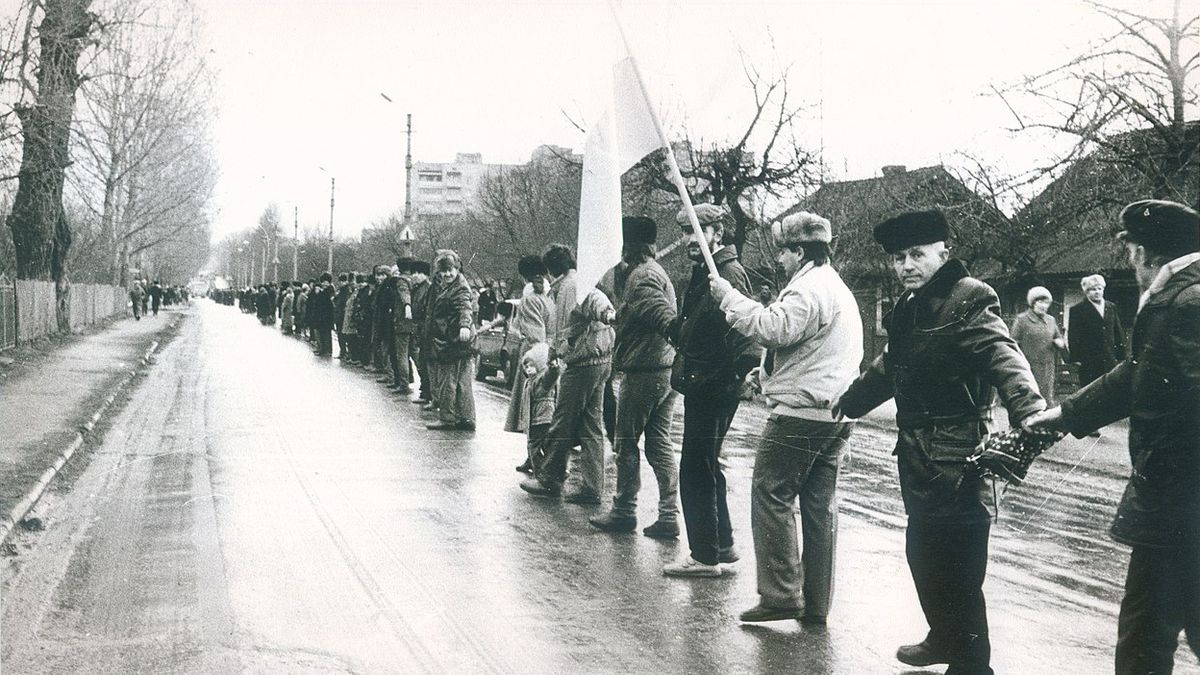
{"points": [[452, 324], [1040, 338]]}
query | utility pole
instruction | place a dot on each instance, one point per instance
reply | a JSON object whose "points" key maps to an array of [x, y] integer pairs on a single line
{"points": [[295, 243], [331, 184], [408, 174]]}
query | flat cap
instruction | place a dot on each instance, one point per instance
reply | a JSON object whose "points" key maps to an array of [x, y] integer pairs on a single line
{"points": [[915, 228], [800, 228], [638, 230], [706, 214], [1161, 226]]}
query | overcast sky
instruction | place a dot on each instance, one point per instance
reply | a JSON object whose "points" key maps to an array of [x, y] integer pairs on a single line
{"points": [[299, 83]]}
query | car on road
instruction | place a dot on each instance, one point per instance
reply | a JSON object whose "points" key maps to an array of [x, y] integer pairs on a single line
{"points": [[498, 347]]}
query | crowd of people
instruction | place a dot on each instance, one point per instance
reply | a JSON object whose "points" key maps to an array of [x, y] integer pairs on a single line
{"points": [[149, 297], [635, 344]]}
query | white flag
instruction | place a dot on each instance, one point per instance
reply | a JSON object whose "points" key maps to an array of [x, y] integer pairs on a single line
{"points": [[624, 135]]}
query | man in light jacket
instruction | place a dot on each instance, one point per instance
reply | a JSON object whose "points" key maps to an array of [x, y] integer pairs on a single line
{"points": [[816, 332]]}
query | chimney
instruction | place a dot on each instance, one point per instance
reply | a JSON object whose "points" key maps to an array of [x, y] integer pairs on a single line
{"points": [[893, 169]]}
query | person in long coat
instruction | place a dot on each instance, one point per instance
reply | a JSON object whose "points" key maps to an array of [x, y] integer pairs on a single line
{"points": [[1040, 339], [533, 319], [452, 323], [1158, 389], [285, 310], [1094, 333]]}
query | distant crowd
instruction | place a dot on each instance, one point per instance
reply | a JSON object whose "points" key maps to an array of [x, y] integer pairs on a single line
{"points": [[615, 360], [149, 297]]}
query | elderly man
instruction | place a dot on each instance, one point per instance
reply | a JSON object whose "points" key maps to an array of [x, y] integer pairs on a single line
{"points": [[710, 362], [947, 349], [1158, 389], [645, 401], [583, 341], [816, 332], [1094, 335]]}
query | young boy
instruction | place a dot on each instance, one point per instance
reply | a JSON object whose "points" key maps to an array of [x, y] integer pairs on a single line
{"points": [[541, 386]]}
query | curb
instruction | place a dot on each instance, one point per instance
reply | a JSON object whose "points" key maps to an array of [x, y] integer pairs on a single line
{"points": [[22, 508]]}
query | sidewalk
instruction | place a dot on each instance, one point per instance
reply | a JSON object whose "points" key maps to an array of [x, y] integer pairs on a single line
{"points": [[1107, 455], [49, 401]]}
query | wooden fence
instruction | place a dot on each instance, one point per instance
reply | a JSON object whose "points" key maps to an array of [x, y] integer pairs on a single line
{"points": [[27, 308]]}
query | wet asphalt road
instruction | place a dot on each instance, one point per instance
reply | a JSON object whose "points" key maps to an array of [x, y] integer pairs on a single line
{"points": [[256, 509]]}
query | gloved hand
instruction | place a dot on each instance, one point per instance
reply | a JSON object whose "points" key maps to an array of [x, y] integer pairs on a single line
{"points": [[719, 286], [1008, 454]]}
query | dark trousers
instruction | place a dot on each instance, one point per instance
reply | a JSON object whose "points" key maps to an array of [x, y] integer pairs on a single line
{"points": [[535, 444], [578, 421], [948, 563], [706, 419], [324, 341], [1162, 599], [343, 346], [610, 411]]}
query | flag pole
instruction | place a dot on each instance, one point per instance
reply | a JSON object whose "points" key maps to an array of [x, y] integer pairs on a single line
{"points": [[676, 175]]}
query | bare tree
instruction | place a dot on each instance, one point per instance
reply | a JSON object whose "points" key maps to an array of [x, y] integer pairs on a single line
{"points": [[765, 161], [1125, 103]]}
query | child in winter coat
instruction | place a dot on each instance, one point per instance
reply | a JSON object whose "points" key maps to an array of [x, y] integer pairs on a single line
{"points": [[541, 387]]}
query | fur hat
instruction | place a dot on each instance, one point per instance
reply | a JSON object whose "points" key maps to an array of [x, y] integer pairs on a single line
{"points": [[1038, 293], [800, 228], [531, 266], [421, 267], [915, 228], [638, 230]]}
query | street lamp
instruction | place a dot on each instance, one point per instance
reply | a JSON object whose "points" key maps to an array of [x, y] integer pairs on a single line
{"points": [[331, 184], [407, 162]]}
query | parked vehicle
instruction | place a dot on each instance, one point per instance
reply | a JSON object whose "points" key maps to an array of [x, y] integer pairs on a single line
{"points": [[498, 348]]}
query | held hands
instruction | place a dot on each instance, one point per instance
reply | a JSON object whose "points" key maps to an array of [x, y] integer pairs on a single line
{"points": [[464, 334], [719, 286], [1060, 343], [754, 379], [1046, 420], [408, 312]]}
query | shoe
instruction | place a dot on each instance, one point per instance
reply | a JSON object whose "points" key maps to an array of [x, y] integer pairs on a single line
{"points": [[610, 523], [727, 556], [761, 612], [464, 426], [525, 467], [586, 497], [813, 619], [1094, 434], [921, 654], [384, 379], [442, 426], [429, 406], [690, 567], [662, 530], [537, 488], [420, 401]]}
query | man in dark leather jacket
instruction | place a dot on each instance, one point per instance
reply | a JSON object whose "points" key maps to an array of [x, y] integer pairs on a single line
{"points": [[948, 350], [1158, 389]]}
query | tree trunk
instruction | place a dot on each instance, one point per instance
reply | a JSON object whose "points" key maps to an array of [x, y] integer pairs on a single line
{"points": [[41, 234]]}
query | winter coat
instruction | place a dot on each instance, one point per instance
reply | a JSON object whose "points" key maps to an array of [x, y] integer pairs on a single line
{"points": [[301, 310], [581, 336], [404, 303], [385, 307], [339, 305], [648, 311], [360, 315], [816, 332], [348, 325], [948, 351], [1097, 343], [451, 310], [1035, 336], [1158, 389], [320, 308], [285, 311], [711, 358]]}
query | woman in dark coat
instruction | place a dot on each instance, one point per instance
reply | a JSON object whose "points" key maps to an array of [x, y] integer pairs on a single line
{"points": [[1039, 337], [452, 340]]}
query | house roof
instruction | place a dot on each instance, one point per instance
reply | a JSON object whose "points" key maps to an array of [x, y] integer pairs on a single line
{"points": [[856, 206]]}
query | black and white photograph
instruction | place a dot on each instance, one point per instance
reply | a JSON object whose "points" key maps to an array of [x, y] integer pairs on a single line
{"points": [[600, 336]]}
